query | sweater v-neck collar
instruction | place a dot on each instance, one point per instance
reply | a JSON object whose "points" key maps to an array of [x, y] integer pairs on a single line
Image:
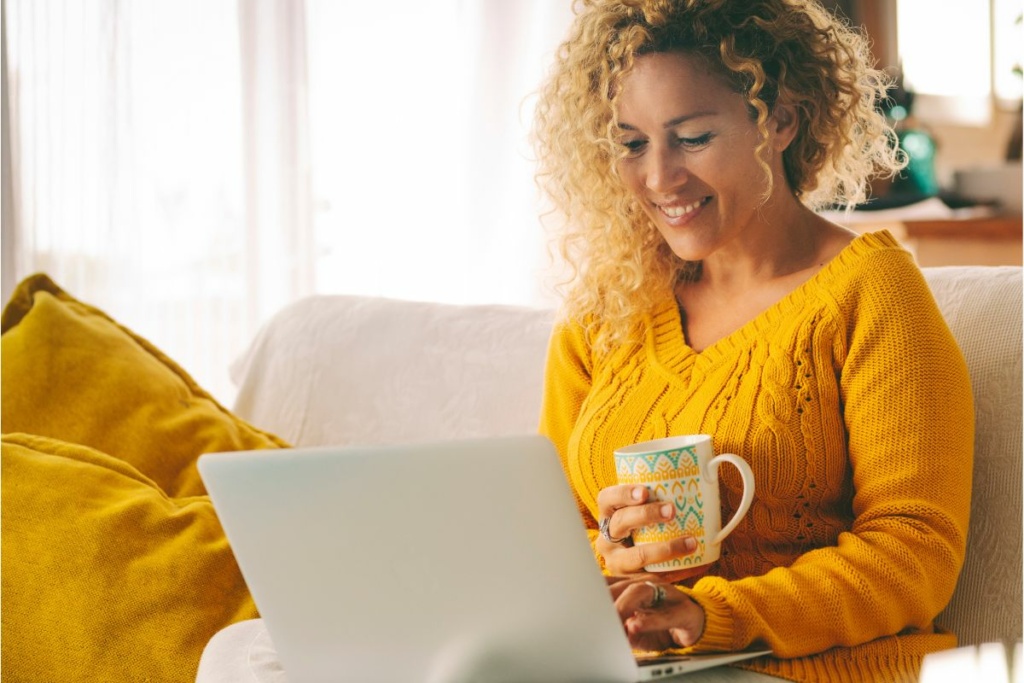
{"points": [[665, 328]]}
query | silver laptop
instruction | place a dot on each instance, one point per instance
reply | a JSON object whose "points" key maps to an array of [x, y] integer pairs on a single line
{"points": [[441, 563]]}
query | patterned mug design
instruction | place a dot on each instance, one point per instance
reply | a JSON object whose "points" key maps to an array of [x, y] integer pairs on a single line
{"points": [[683, 472], [672, 476]]}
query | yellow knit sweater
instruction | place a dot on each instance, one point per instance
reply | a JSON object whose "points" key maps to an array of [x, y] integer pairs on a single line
{"points": [[851, 401]]}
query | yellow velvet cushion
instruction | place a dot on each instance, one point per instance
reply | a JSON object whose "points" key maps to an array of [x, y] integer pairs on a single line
{"points": [[105, 577], [114, 565], [71, 373]]}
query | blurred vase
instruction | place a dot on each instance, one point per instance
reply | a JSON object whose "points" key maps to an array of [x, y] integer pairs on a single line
{"points": [[919, 176]]}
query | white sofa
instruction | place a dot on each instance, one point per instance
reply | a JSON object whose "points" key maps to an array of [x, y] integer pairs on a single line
{"points": [[332, 370]]}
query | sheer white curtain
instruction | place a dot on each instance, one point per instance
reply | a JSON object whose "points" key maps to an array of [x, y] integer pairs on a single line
{"points": [[191, 166], [276, 166], [424, 183], [126, 142]]}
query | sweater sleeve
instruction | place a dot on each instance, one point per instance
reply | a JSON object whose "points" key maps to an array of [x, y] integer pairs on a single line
{"points": [[567, 382], [909, 418]]}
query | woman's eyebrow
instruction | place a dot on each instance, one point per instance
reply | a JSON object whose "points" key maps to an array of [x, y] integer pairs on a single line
{"points": [[674, 122]]}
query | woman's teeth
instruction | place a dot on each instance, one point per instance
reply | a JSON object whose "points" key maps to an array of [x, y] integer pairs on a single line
{"points": [[677, 211]]}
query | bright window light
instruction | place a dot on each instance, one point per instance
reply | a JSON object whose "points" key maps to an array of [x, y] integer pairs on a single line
{"points": [[1008, 35], [945, 48]]}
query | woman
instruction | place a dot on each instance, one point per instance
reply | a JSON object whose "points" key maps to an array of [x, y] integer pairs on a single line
{"points": [[687, 144]]}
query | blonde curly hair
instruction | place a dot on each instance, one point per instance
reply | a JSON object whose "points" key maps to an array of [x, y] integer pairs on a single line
{"points": [[791, 51]]}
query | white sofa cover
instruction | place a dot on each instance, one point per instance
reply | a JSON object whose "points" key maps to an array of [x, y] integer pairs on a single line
{"points": [[335, 370]]}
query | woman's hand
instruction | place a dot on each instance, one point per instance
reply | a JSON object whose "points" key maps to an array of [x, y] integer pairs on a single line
{"points": [[655, 614], [625, 508]]}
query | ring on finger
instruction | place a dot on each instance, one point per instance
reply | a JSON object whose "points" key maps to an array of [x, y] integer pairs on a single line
{"points": [[606, 532], [659, 594]]}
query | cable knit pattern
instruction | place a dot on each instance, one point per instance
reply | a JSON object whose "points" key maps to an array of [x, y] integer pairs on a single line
{"points": [[851, 401]]}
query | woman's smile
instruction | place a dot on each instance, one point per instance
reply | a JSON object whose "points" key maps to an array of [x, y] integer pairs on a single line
{"points": [[678, 214]]}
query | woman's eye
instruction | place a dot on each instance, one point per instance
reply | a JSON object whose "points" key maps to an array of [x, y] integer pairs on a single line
{"points": [[699, 141], [633, 146]]}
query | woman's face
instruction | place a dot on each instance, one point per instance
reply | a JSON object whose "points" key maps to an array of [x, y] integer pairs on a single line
{"points": [[691, 162]]}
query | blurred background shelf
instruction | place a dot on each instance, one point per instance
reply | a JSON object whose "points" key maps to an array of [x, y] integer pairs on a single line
{"points": [[988, 241], [937, 235]]}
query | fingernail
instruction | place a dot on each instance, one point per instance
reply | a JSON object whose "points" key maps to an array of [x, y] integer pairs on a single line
{"points": [[638, 493], [666, 511], [690, 543]]}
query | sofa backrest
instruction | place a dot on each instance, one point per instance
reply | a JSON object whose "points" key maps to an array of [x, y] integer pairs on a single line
{"points": [[340, 370]]}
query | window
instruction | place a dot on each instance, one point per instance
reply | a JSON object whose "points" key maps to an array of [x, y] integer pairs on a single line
{"points": [[957, 55], [192, 166]]}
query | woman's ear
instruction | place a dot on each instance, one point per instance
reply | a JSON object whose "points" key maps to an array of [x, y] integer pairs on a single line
{"points": [[785, 121]]}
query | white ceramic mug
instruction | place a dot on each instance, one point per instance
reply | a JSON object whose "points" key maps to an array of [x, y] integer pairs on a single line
{"points": [[683, 470]]}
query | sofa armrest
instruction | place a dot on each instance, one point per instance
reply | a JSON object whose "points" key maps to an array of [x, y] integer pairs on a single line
{"points": [[982, 306]]}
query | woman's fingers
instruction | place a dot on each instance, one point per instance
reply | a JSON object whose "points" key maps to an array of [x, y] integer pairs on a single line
{"points": [[625, 508], [657, 614], [681, 624], [631, 595], [613, 498], [617, 584], [621, 523], [625, 520], [623, 560]]}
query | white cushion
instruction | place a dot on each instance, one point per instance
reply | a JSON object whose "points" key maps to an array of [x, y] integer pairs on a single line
{"points": [[334, 370]]}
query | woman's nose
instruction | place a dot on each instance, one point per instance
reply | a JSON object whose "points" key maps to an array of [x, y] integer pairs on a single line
{"points": [[665, 171]]}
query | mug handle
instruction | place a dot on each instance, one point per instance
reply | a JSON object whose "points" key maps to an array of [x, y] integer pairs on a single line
{"points": [[748, 490]]}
